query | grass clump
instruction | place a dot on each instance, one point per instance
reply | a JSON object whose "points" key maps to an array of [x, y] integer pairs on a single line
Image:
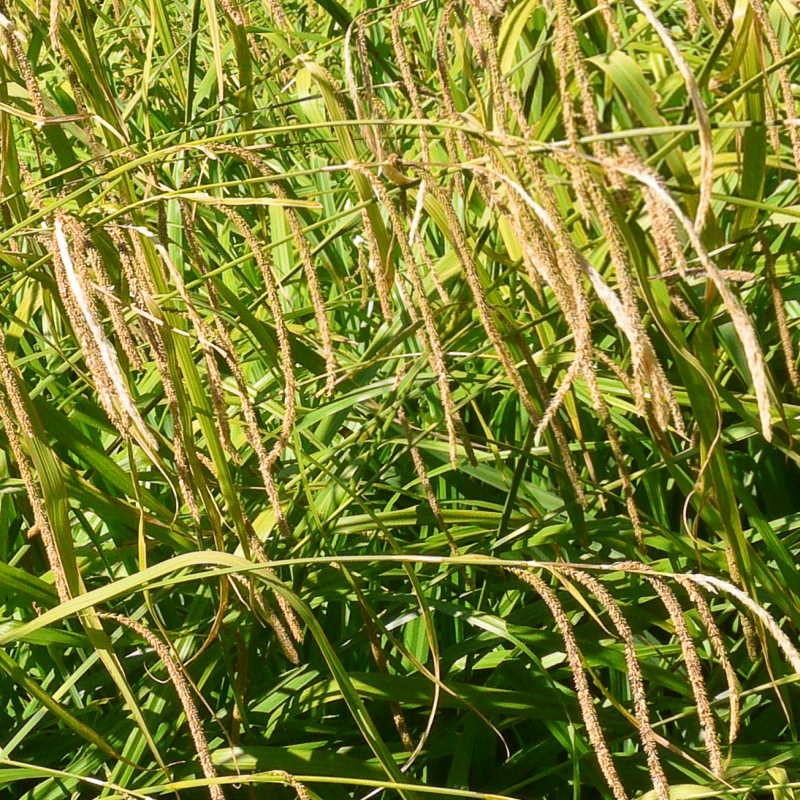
{"points": [[399, 399]]}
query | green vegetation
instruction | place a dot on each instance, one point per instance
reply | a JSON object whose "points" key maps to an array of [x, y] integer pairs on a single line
{"points": [[399, 400]]}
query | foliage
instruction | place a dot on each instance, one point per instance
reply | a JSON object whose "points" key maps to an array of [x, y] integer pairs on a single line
{"points": [[399, 399]]}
